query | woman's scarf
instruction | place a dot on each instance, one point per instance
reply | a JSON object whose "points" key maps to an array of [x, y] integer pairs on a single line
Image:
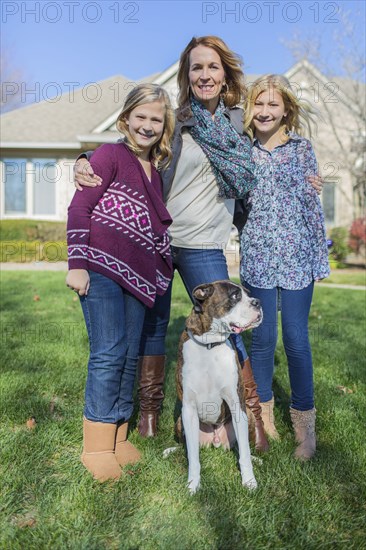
{"points": [[228, 152]]}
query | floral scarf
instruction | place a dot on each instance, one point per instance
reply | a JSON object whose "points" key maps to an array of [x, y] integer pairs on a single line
{"points": [[228, 152]]}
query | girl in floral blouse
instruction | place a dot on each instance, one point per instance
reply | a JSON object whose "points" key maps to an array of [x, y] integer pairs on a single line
{"points": [[283, 248]]}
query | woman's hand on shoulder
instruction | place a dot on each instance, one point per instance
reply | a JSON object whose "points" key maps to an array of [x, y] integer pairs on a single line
{"points": [[84, 175], [317, 182], [78, 280]]}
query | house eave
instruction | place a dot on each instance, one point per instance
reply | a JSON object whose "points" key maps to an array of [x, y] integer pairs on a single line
{"points": [[167, 74], [98, 138], [39, 145]]}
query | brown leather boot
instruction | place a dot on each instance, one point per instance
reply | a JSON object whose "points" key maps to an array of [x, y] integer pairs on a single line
{"points": [[98, 452], [304, 427], [253, 406], [151, 372], [125, 452]]}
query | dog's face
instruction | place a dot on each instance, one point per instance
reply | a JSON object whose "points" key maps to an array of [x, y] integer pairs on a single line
{"points": [[228, 306]]}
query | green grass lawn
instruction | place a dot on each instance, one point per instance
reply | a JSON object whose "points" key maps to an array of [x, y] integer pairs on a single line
{"points": [[49, 501], [347, 277]]}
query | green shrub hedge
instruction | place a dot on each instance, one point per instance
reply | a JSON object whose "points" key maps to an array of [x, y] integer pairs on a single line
{"points": [[339, 249], [33, 251], [32, 230]]}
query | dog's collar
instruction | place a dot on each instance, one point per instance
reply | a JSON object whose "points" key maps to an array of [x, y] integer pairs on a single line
{"points": [[202, 340]]}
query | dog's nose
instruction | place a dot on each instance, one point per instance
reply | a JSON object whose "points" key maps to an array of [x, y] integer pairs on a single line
{"points": [[255, 302]]}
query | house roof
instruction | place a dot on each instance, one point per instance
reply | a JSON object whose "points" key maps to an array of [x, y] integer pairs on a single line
{"points": [[72, 114], [86, 117]]}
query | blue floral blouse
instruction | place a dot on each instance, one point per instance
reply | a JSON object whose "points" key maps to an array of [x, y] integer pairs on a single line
{"points": [[283, 243]]}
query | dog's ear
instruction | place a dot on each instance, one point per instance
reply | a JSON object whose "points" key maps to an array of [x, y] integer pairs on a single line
{"points": [[200, 294]]}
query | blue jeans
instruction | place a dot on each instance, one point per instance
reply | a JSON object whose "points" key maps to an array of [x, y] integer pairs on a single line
{"points": [[295, 308], [114, 320], [196, 267]]}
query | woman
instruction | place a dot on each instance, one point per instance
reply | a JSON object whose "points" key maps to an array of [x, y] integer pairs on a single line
{"points": [[211, 84]]}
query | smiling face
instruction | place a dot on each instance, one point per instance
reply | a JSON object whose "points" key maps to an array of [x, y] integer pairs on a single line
{"points": [[206, 76], [146, 125], [268, 112]]}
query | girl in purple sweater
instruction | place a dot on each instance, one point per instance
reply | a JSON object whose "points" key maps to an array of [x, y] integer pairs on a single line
{"points": [[119, 260]]}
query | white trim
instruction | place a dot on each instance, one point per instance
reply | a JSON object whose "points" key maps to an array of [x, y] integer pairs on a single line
{"points": [[39, 145], [43, 217], [2, 189], [29, 178], [99, 138], [58, 188], [305, 64], [29, 194], [167, 74], [106, 123]]}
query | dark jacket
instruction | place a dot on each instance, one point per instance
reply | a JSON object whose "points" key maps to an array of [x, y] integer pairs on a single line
{"points": [[235, 115]]}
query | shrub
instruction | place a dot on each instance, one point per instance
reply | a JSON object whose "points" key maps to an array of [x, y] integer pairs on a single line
{"points": [[32, 230], [339, 248], [33, 251], [357, 235]]}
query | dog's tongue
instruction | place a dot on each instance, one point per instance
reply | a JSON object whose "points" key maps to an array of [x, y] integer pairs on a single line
{"points": [[236, 329]]}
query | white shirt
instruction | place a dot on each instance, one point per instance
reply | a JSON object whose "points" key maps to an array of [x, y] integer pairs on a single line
{"points": [[200, 218]]}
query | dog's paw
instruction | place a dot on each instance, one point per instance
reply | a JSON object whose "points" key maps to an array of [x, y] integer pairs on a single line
{"points": [[250, 484], [193, 486]]}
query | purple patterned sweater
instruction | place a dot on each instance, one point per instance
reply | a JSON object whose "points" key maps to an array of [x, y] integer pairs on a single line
{"points": [[119, 229]]}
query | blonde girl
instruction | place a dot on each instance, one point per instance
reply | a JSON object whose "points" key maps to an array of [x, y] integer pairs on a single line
{"points": [[283, 247], [119, 261]]}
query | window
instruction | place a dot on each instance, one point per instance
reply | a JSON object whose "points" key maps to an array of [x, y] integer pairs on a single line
{"points": [[44, 189], [15, 188], [328, 196], [30, 187]]}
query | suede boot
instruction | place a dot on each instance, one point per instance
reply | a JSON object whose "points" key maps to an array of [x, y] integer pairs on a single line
{"points": [[125, 452], [304, 427], [268, 419], [151, 372], [98, 452], [253, 406]]}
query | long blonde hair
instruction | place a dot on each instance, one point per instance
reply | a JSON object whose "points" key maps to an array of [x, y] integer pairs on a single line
{"points": [[161, 152], [231, 62], [300, 113]]}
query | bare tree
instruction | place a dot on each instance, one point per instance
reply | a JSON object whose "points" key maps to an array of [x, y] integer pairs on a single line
{"points": [[341, 99], [11, 82]]}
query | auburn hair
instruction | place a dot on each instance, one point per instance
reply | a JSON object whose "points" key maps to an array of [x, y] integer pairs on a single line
{"points": [[231, 62]]}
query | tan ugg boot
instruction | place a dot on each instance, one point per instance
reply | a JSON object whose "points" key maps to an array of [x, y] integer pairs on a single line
{"points": [[98, 452], [304, 427], [125, 452], [268, 419]]}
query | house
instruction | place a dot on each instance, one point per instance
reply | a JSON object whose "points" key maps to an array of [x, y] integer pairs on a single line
{"points": [[41, 141]]}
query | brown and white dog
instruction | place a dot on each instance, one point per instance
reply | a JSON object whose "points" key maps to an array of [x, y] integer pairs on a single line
{"points": [[209, 380]]}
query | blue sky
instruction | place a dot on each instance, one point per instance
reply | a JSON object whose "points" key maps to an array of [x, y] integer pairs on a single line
{"points": [[86, 41]]}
